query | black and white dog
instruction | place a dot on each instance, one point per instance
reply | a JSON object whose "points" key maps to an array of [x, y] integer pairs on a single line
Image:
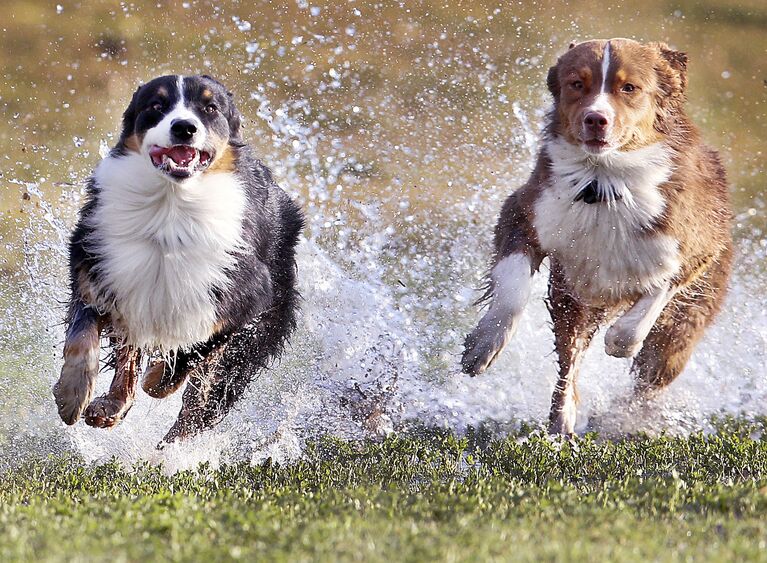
{"points": [[184, 253]]}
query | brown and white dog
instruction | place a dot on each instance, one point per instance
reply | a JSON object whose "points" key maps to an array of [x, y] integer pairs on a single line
{"points": [[632, 210]]}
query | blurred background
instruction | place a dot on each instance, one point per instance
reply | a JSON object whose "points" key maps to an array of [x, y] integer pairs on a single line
{"points": [[400, 127]]}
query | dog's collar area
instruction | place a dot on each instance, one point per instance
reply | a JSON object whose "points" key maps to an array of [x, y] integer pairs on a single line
{"points": [[591, 194]]}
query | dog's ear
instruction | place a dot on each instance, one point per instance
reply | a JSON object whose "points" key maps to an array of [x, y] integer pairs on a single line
{"points": [[552, 81], [130, 114], [677, 61], [235, 122], [671, 69], [127, 140]]}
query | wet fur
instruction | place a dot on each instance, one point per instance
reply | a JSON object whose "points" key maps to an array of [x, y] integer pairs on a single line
{"points": [[203, 272], [657, 257]]}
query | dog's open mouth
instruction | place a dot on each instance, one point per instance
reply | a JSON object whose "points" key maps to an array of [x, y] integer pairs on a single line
{"points": [[596, 145], [179, 161]]}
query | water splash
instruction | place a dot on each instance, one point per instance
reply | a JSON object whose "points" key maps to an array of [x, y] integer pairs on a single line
{"points": [[387, 277]]}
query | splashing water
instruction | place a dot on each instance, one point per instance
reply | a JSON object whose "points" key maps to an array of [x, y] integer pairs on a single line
{"points": [[388, 277]]}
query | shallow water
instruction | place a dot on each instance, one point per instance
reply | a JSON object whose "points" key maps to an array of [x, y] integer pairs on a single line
{"points": [[400, 130]]}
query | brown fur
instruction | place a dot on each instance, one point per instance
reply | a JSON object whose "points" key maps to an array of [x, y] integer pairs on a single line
{"points": [[158, 382], [109, 409], [133, 143], [697, 212], [225, 161]]}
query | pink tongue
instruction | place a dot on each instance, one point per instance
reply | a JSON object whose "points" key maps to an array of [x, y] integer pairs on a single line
{"points": [[181, 155]]}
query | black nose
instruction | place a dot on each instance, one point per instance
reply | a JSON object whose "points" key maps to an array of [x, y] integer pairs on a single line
{"points": [[182, 129], [595, 122]]}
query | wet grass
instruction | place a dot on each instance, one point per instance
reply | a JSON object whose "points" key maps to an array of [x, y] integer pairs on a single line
{"points": [[408, 498]]}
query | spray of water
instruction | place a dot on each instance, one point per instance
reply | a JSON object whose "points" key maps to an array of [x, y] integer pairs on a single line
{"points": [[387, 285]]}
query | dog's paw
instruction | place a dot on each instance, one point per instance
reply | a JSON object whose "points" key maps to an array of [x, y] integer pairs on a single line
{"points": [[74, 389], [106, 411], [563, 414], [482, 346], [159, 381], [563, 422], [622, 342]]}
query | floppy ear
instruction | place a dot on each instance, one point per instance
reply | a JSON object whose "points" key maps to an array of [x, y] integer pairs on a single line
{"points": [[235, 121], [129, 116], [552, 81], [127, 140], [677, 61], [672, 70]]}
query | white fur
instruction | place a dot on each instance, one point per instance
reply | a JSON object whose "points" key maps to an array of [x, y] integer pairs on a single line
{"points": [[608, 249], [626, 336], [512, 280], [602, 104], [605, 67], [160, 134], [564, 422], [163, 246], [511, 285], [74, 389]]}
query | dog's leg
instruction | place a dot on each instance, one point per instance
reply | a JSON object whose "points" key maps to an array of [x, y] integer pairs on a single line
{"points": [[672, 339], [517, 258], [108, 410], [164, 378], [511, 279], [574, 327], [628, 333], [219, 381], [74, 389]]}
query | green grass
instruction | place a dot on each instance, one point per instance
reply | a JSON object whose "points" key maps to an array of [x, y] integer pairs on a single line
{"points": [[409, 498]]}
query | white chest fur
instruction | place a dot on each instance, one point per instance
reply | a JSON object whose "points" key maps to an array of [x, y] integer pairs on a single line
{"points": [[163, 248], [607, 249]]}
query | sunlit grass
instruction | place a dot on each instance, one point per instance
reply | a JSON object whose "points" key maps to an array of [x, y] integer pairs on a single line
{"points": [[409, 498]]}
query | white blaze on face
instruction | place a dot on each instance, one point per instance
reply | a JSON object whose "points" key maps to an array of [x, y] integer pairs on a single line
{"points": [[605, 67], [160, 134], [601, 103]]}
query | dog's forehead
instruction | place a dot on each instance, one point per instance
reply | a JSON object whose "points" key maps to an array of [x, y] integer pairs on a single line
{"points": [[587, 54], [164, 86], [204, 87], [591, 54]]}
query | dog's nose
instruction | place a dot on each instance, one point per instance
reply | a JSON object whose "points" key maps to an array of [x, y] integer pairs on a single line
{"points": [[595, 122], [183, 129]]}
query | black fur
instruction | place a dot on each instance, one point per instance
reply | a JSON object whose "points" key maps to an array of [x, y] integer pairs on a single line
{"points": [[256, 311]]}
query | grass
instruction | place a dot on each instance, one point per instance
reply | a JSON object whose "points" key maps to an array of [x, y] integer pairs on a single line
{"points": [[435, 85], [409, 498]]}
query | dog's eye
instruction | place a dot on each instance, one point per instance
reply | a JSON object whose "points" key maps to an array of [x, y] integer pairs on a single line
{"points": [[211, 108], [156, 106], [628, 88], [577, 85]]}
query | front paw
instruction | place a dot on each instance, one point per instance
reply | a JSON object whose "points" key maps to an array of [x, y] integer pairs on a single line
{"points": [[563, 422], [74, 389], [160, 381], [107, 411], [621, 342], [482, 347]]}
